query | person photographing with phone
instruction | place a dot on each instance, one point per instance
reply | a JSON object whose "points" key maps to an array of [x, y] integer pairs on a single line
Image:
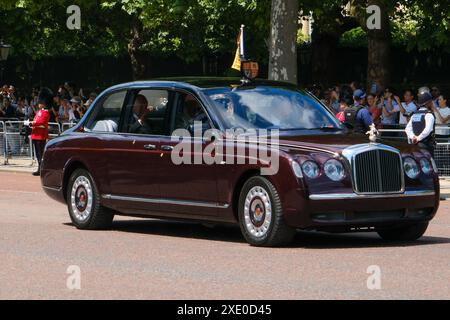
{"points": [[39, 133], [421, 128]]}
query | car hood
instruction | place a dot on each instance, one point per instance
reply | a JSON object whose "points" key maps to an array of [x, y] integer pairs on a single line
{"points": [[336, 142]]}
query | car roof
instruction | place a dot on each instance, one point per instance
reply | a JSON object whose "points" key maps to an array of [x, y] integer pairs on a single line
{"points": [[215, 82], [199, 83]]}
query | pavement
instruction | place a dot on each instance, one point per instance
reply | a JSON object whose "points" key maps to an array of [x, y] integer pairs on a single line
{"points": [[42, 256], [23, 165]]}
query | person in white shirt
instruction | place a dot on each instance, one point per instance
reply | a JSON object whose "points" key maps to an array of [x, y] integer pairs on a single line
{"points": [[442, 114], [435, 92], [63, 112], [407, 108], [390, 109], [420, 129]]}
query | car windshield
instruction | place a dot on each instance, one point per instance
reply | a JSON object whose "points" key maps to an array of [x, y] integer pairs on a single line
{"points": [[265, 107]]}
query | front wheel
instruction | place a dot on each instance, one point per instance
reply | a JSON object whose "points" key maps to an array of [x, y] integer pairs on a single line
{"points": [[261, 215], [404, 233], [83, 200]]}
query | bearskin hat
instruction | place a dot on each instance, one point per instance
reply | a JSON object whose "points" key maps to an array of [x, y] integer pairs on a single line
{"points": [[46, 97]]}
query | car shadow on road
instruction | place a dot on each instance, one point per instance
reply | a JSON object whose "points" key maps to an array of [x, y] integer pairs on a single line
{"points": [[322, 240], [180, 230], [229, 233]]}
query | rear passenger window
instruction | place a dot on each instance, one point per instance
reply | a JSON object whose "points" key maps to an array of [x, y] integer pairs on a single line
{"points": [[149, 112], [107, 115]]}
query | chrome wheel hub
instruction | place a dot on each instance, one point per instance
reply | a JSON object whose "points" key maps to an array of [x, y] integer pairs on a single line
{"points": [[81, 198], [257, 212]]}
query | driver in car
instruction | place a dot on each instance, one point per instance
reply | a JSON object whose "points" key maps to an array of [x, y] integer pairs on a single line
{"points": [[192, 112]]}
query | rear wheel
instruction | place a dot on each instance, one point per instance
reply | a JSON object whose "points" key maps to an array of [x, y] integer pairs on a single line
{"points": [[405, 233], [261, 215], [83, 200]]}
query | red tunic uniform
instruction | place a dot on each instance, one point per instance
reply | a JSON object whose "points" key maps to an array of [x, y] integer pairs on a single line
{"points": [[40, 125]]}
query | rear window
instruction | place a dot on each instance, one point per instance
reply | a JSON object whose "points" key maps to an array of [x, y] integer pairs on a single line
{"points": [[106, 116]]}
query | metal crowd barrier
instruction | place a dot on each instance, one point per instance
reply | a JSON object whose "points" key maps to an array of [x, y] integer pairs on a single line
{"points": [[441, 153], [67, 125], [2, 139], [15, 144]]}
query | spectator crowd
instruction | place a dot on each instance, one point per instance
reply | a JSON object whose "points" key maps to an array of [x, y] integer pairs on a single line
{"points": [[387, 107], [69, 105]]}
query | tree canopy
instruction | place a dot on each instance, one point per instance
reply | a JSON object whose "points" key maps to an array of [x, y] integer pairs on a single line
{"points": [[192, 29]]}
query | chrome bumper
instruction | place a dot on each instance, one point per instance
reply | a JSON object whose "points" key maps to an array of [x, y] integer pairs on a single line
{"points": [[347, 196]]}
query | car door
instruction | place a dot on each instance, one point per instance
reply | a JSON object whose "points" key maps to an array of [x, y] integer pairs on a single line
{"points": [[133, 152], [135, 180], [110, 147], [187, 188]]}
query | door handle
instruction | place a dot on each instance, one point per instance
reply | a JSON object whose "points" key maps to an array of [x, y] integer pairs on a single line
{"points": [[166, 148], [149, 147]]}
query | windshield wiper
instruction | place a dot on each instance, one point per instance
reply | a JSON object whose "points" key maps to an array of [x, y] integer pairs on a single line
{"points": [[325, 128]]}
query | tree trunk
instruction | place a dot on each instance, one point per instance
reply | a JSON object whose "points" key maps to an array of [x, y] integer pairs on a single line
{"points": [[283, 40], [379, 49], [137, 58]]}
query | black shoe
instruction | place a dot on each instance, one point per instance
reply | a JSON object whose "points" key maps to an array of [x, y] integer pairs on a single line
{"points": [[36, 173]]}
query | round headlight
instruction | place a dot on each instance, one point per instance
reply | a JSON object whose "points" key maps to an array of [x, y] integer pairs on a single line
{"points": [[310, 169], [297, 169], [334, 170], [411, 168], [426, 166]]}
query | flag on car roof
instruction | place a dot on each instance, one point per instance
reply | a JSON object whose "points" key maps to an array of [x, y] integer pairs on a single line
{"points": [[239, 51]]}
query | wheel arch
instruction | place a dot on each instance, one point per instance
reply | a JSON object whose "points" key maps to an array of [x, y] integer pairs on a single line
{"points": [[245, 176], [68, 170]]}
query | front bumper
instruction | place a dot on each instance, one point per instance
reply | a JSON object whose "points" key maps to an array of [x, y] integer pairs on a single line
{"points": [[348, 211], [351, 196]]}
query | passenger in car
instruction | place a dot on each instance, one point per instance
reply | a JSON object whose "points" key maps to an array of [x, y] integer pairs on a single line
{"points": [[140, 112]]}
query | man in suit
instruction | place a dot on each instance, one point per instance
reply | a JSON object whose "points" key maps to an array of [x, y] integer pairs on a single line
{"points": [[141, 109]]}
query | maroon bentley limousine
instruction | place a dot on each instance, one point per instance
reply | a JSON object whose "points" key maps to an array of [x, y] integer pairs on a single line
{"points": [[118, 160]]}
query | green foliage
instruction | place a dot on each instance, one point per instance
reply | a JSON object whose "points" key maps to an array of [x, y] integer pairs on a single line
{"points": [[356, 37], [191, 28], [187, 28], [426, 23], [194, 28]]}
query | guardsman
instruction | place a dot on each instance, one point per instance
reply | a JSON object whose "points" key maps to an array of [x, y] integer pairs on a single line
{"points": [[39, 133], [421, 127], [358, 116]]}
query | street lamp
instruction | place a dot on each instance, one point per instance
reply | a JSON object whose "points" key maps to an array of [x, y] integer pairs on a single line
{"points": [[4, 52]]}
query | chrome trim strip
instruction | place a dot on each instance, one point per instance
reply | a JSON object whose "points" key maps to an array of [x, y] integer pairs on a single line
{"points": [[167, 201], [52, 189], [346, 196]]}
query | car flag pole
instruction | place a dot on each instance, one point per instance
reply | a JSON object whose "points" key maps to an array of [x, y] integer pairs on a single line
{"points": [[240, 53], [241, 44]]}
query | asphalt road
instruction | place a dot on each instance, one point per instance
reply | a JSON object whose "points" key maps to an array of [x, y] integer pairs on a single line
{"points": [[151, 259]]}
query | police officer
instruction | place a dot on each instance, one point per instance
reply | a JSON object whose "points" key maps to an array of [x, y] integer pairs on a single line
{"points": [[421, 127], [357, 115]]}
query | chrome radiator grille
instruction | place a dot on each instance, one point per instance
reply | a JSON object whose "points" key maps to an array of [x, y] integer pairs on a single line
{"points": [[378, 171]]}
